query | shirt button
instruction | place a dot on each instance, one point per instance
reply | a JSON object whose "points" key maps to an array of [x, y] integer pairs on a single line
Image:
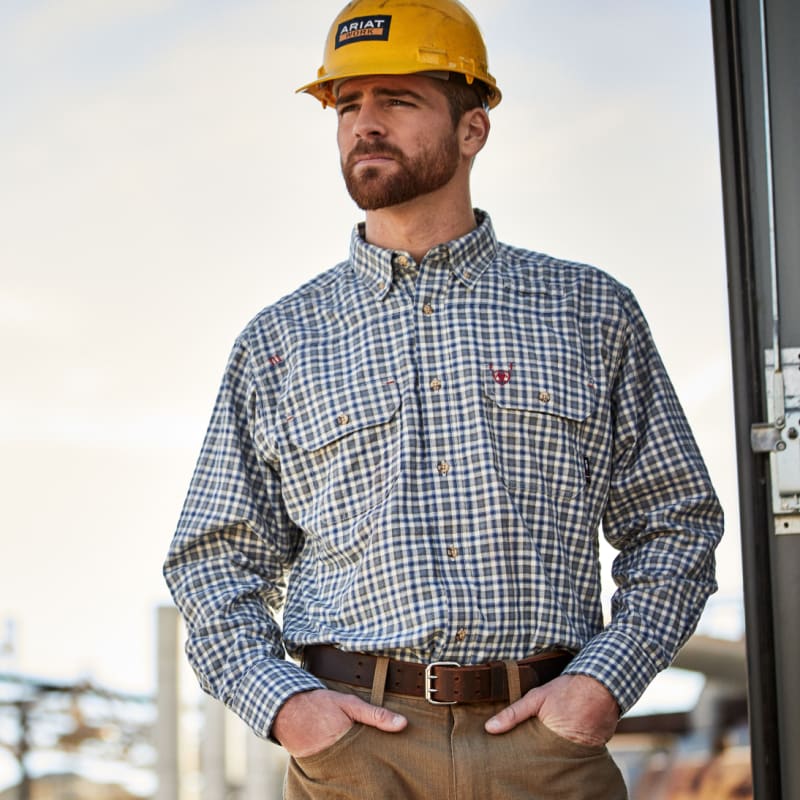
{"points": [[452, 552], [436, 384], [443, 467], [342, 419], [401, 261], [461, 634], [427, 309], [544, 397]]}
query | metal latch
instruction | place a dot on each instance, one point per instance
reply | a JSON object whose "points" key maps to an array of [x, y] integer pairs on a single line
{"points": [[781, 438]]}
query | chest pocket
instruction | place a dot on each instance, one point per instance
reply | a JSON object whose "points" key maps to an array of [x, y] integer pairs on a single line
{"points": [[342, 453], [536, 415]]}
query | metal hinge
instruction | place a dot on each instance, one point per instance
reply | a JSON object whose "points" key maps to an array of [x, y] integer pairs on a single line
{"points": [[781, 438]]}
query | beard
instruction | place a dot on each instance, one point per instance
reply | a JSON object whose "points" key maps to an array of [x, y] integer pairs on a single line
{"points": [[372, 188]]}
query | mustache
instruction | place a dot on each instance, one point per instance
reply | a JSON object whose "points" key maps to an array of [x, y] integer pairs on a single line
{"points": [[364, 148]]}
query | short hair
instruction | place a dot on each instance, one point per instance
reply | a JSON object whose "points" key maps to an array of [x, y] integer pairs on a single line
{"points": [[462, 96]]}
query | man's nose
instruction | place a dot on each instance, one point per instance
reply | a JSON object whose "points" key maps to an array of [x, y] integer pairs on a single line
{"points": [[369, 122]]}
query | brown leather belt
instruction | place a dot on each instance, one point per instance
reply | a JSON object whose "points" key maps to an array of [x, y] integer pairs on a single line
{"points": [[442, 682]]}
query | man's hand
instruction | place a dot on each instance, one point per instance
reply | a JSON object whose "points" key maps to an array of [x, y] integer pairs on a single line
{"points": [[577, 707], [310, 722]]}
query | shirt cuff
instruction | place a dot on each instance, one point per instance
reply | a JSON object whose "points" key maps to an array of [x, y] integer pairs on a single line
{"points": [[622, 665], [265, 688]]}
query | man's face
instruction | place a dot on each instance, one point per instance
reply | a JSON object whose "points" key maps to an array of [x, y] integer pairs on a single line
{"points": [[396, 139]]}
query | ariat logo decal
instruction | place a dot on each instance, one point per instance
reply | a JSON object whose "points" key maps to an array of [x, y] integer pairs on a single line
{"points": [[501, 376], [359, 29]]}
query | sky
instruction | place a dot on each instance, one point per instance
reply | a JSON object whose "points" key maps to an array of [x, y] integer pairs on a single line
{"points": [[160, 183]]}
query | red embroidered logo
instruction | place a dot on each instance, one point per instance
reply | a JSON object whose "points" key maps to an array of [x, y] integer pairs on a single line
{"points": [[501, 376], [275, 360]]}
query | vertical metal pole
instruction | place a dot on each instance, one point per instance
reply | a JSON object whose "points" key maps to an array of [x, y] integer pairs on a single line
{"points": [[749, 403], [25, 782], [167, 704], [212, 750]]}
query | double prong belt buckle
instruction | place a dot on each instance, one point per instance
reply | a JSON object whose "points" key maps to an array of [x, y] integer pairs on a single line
{"points": [[430, 690]]}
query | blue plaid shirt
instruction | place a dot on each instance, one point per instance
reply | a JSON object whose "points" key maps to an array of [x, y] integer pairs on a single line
{"points": [[415, 461]]}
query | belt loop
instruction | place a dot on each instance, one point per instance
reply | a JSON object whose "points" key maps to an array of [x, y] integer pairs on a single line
{"points": [[379, 680], [512, 672]]}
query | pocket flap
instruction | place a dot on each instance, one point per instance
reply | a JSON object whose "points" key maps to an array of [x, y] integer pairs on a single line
{"points": [[321, 414], [545, 389]]}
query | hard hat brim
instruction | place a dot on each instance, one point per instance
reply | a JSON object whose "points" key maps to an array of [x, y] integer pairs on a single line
{"points": [[323, 88]]}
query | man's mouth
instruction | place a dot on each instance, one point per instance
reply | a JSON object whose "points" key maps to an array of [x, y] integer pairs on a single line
{"points": [[371, 156], [373, 159]]}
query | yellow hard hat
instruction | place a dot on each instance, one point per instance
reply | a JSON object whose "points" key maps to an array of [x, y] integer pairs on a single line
{"points": [[401, 37]]}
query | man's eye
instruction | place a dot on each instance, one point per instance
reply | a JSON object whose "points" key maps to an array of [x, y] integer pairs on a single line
{"points": [[345, 109]]}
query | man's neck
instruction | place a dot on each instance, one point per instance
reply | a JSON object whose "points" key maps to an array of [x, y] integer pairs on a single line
{"points": [[420, 225]]}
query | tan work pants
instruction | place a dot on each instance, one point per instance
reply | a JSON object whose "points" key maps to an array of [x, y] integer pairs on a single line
{"points": [[445, 754]]}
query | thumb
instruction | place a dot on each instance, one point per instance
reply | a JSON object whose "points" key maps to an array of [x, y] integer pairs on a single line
{"points": [[511, 716], [375, 716]]}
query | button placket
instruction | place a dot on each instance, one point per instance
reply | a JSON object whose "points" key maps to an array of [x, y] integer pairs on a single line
{"points": [[440, 375]]}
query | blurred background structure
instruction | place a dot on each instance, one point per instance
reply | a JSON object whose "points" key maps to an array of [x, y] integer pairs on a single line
{"points": [[68, 739]]}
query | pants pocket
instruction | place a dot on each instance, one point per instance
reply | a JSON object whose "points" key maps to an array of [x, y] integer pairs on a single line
{"points": [[319, 762], [560, 744], [573, 770]]}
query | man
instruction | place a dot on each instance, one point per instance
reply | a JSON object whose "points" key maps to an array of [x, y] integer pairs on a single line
{"points": [[418, 448]]}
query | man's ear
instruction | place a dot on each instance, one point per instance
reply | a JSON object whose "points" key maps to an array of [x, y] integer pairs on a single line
{"points": [[473, 131]]}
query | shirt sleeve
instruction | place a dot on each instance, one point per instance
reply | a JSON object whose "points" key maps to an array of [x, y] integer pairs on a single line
{"points": [[227, 563], [664, 518]]}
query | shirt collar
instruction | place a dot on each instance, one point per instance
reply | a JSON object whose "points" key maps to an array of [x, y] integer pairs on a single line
{"points": [[467, 257]]}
